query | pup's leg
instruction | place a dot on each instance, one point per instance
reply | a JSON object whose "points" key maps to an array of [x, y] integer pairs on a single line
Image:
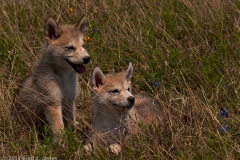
{"points": [[54, 118], [69, 113]]}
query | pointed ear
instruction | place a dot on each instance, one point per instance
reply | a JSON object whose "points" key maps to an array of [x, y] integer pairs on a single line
{"points": [[128, 72], [81, 26], [98, 78], [52, 30]]}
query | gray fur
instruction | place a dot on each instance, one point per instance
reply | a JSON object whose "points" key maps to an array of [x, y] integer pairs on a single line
{"points": [[47, 95], [111, 117]]}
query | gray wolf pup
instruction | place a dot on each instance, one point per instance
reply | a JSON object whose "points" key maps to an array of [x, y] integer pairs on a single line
{"points": [[116, 110], [47, 95]]}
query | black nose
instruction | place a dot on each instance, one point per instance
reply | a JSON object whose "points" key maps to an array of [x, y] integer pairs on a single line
{"points": [[86, 59], [131, 100]]}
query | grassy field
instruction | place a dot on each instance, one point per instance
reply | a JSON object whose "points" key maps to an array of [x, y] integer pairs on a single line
{"points": [[191, 47]]}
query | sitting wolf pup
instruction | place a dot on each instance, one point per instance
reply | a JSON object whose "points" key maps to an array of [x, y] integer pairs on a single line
{"points": [[47, 95], [116, 110]]}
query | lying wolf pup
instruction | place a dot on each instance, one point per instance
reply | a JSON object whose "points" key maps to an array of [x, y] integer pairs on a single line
{"points": [[47, 95], [116, 110]]}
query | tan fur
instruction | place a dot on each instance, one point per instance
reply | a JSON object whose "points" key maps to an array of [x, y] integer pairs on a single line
{"points": [[145, 111], [47, 95], [113, 113]]}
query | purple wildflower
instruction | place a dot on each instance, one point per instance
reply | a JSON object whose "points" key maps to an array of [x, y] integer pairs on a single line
{"points": [[224, 128], [95, 30], [155, 84], [224, 113]]}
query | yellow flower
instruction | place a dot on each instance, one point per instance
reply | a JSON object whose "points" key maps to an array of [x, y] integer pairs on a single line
{"points": [[70, 10], [88, 39]]}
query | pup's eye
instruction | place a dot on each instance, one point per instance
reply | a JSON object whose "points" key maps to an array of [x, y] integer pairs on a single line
{"points": [[114, 91], [129, 89], [69, 48], [83, 46]]}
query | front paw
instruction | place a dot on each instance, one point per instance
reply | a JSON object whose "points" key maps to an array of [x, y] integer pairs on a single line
{"points": [[115, 148], [88, 148]]}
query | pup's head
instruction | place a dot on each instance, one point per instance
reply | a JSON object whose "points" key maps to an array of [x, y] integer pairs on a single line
{"points": [[114, 88], [66, 44]]}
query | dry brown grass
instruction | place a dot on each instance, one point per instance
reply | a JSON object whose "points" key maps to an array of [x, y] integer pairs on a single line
{"points": [[191, 46]]}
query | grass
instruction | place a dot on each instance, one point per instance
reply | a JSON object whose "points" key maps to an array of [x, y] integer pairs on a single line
{"points": [[192, 47]]}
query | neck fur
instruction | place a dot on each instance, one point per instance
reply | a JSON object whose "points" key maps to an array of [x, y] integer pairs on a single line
{"points": [[105, 116]]}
